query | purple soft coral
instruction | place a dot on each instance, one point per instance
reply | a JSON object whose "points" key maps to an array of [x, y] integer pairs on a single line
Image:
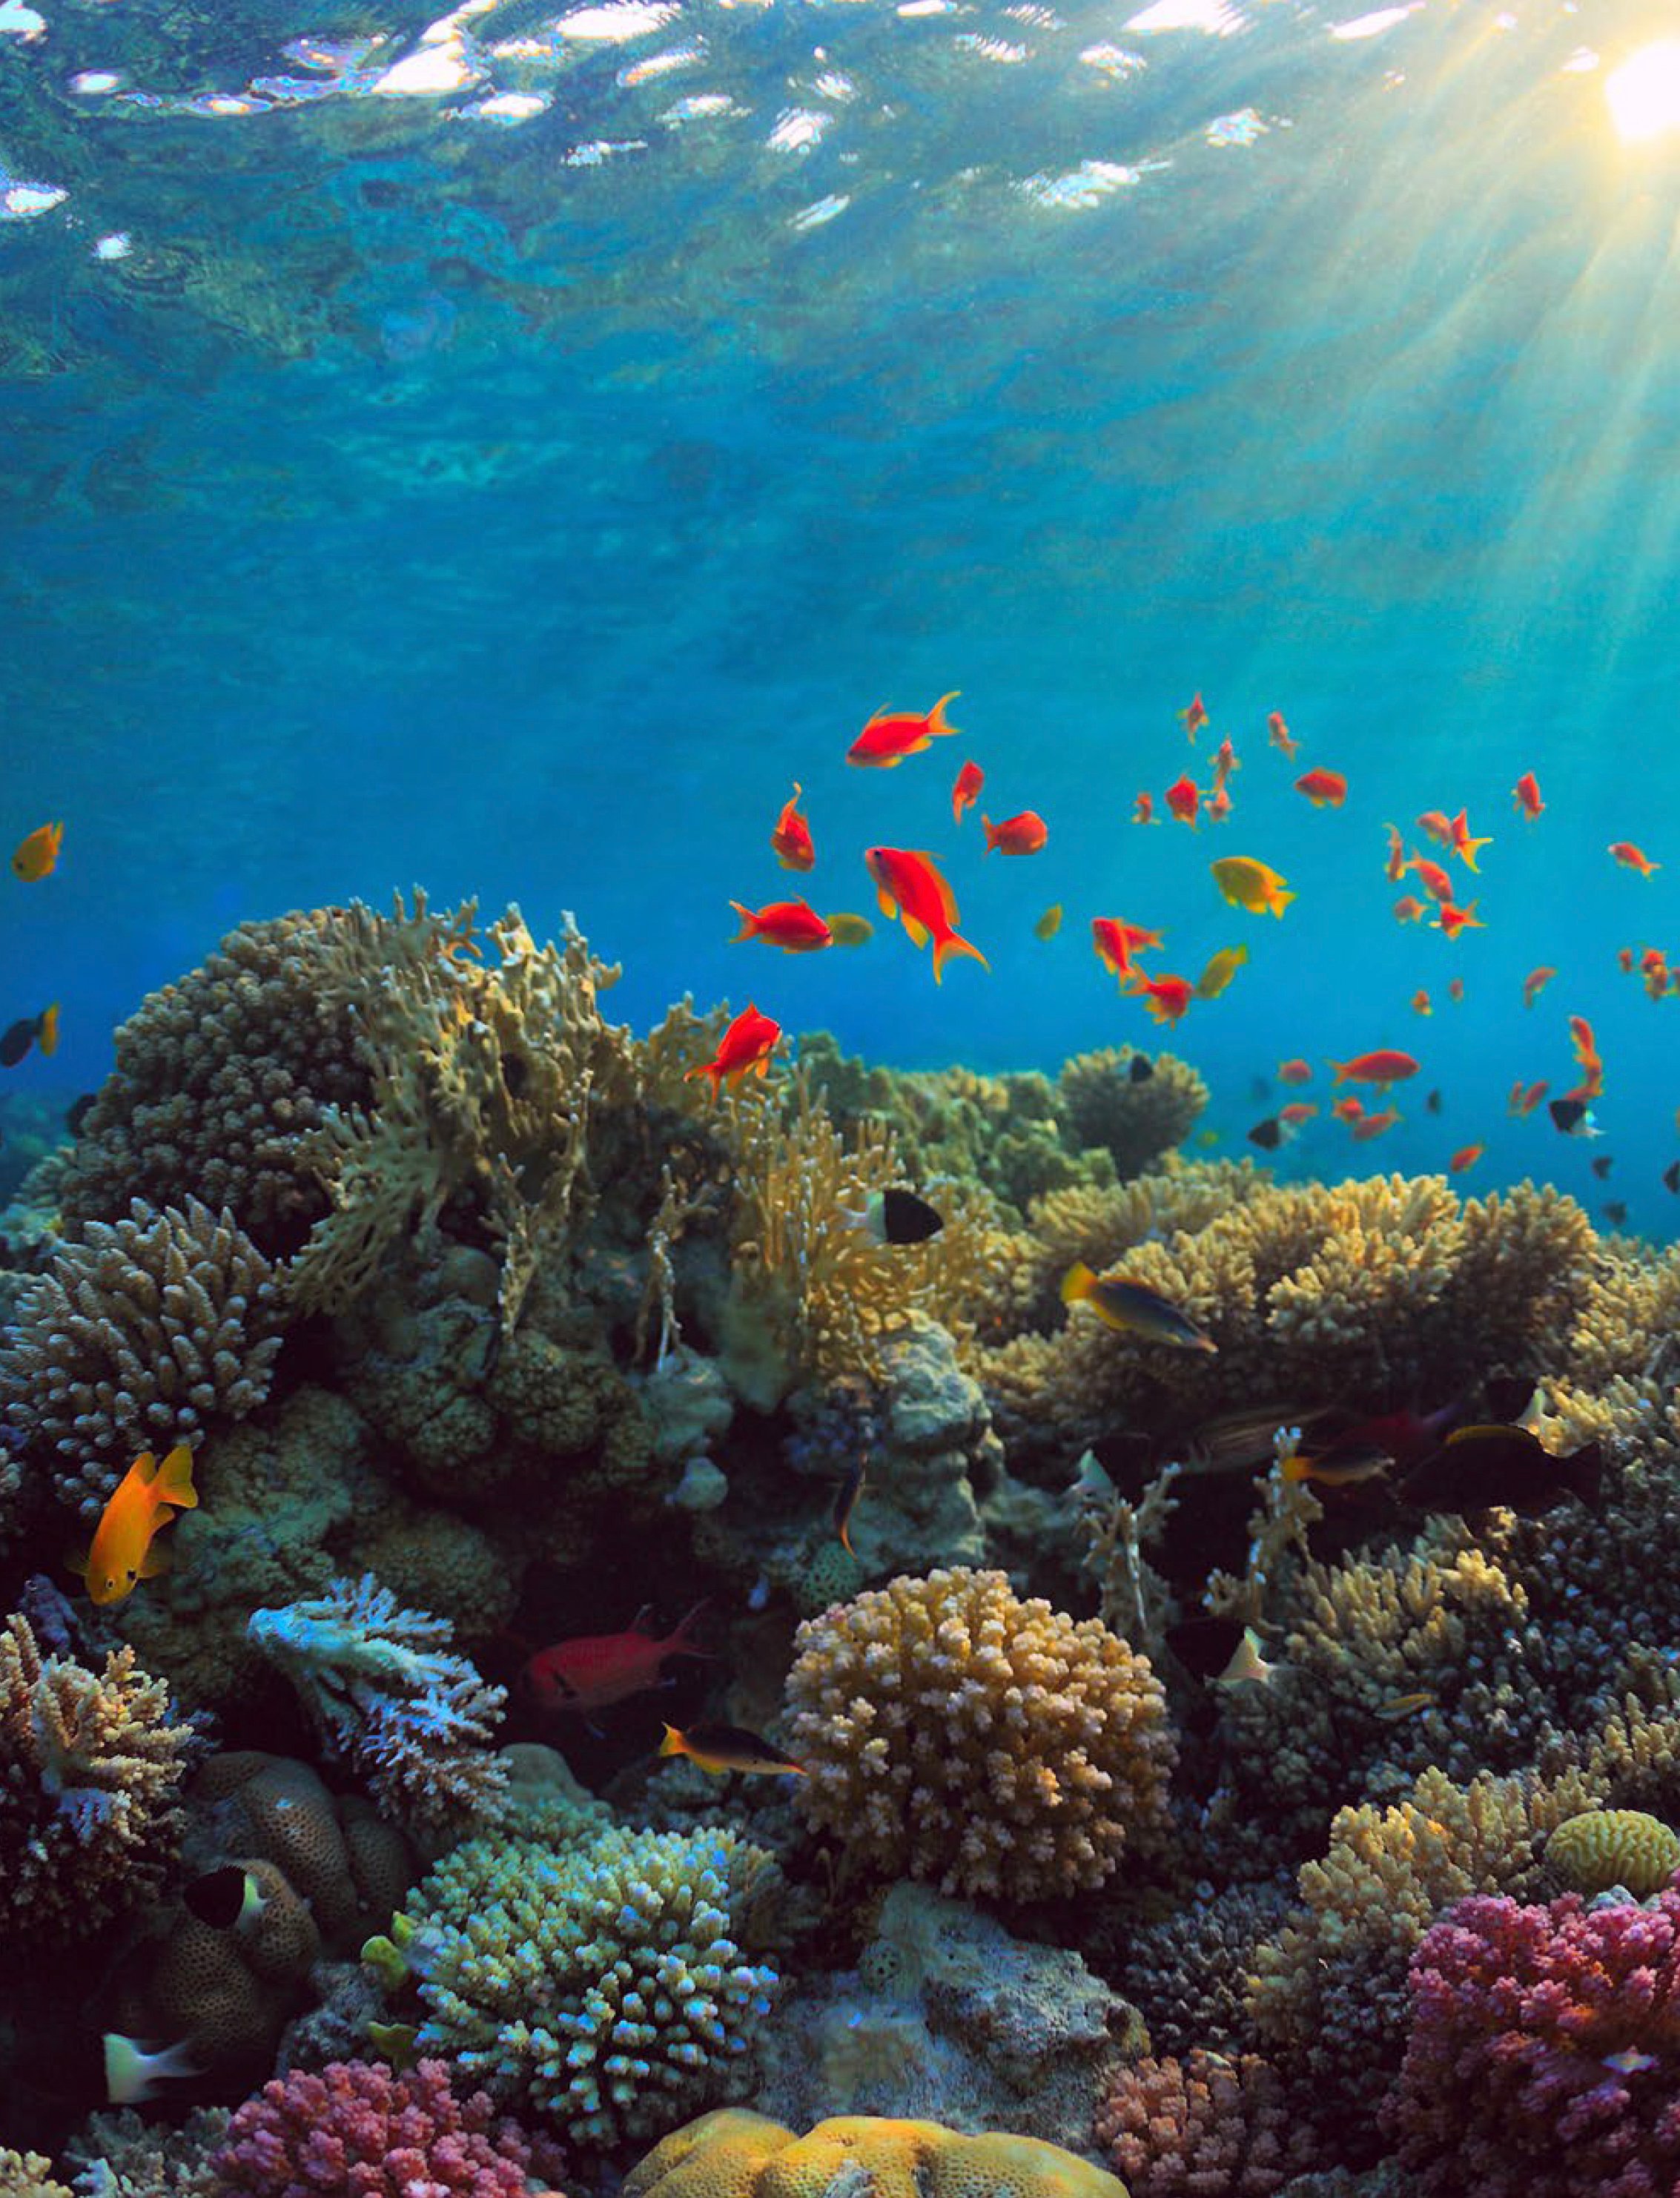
{"points": [[357, 2130], [1543, 2059]]}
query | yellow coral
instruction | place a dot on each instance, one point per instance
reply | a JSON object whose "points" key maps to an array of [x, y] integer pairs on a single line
{"points": [[732, 2153], [28, 2175], [1604, 1847]]}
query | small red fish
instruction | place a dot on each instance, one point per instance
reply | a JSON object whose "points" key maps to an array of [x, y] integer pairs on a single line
{"points": [[1297, 1112], [1294, 1072], [1455, 990], [1394, 861], [1166, 998], [1219, 804], [1279, 733], [1459, 841], [1408, 909], [967, 791], [1624, 956], [1023, 834], [1115, 944], [1436, 823], [791, 840], [1373, 1126], [1452, 919], [1420, 1004], [1633, 858], [1143, 809], [1436, 881], [1385, 1067], [1656, 980], [1183, 800], [1525, 796], [745, 1047], [794, 926], [1224, 762], [909, 883], [1524, 1100], [892, 735], [1465, 1157], [1194, 716], [593, 1670], [1535, 983], [1325, 789], [1349, 1109]]}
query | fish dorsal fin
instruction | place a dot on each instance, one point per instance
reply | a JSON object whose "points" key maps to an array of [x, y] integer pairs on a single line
{"points": [[1481, 1432]]}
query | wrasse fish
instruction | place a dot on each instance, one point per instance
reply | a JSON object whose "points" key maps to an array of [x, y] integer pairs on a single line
{"points": [[1478, 1467], [1248, 884], [1452, 919], [723, 1748], [1194, 716], [967, 790], [1183, 800], [1343, 1466], [895, 1216], [36, 856], [1132, 1309], [1221, 969], [1022, 834], [794, 926], [1404, 1706], [1167, 998], [1465, 1157], [1049, 923], [1633, 858], [1325, 789], [1535, 983], [1294, 1072], [590, 1671], [1279, 734], [123, 1542], [892, 735], [744, 1049], [1525, 796], [1115, 944], [791, 840], [1385, 1067], [908, 885], [848, 929]]}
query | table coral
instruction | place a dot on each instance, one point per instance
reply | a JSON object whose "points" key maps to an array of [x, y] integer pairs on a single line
{"points": [[143, 1333], [1543, 2056], [955, 1733], [1206, 2126], [90, 1769], [356, 2127], [607, 1982]]}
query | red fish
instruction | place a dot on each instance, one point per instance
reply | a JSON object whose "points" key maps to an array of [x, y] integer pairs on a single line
{"points": [[1182, 800], [794, 926], [1294, 1072], [1325, 789], [1394, 863], [908, 883], [967, 791], [1459, 841], [1525, 796], [1165, 997], [1436, 881], [1524, 1100], [1219, 804], [1297, 1112], [1535, 983], [1438, 825], [1385, 1067], [1456, 989], [790, 838], [891, 734], [593, 1670], [1279, 733], [1452, 919], [1224, 762], [1373, 1126], [1421, 1004], [745, 1047], [1024, 835], [1143, 809], [1633, 858], [1194, 716], [1349, 1109], [1115, 943], [1465, 1157], [1587, 1059]]}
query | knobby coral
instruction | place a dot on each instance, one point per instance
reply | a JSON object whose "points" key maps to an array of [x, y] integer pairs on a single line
{"points": [[953, 1732], [1205, 2127]]}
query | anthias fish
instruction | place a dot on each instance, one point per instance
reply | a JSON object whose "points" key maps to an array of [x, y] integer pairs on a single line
{"points": [[1132, 1308], [790, 838], [794, 926], [967, 790], [744, 1049], [1022, 834], [910, 885], [891, 734]]}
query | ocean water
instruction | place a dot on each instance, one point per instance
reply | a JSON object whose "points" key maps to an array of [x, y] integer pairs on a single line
{"points": [[504, 451]]}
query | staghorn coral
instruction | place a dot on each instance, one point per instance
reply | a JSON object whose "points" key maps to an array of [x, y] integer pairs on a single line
{"points": [[953, 1732], [607, 1982], [389, 1697], [90, 1769], [359, 2128], [729, 2153], [1606, 1847], [143, 1333], [1097, 1102], [1205, 2126], [1513, 2085]]}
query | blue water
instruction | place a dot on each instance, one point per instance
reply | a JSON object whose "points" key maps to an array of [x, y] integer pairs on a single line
{"points": [[517, 506]]}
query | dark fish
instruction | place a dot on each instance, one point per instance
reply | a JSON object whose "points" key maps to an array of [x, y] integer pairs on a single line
{"points": [[1572, 1116], [1433, 1103], [896, 1217], [226, 1899], [79, 1110], [845, 1502], [720, 1748], [1601, 1167], [1133, 1308], [1615, 1211], [1204, 1646], [1671, 1177], [1477, 1468], [1267, 1134], [17, 1041], [1141, 1068]]}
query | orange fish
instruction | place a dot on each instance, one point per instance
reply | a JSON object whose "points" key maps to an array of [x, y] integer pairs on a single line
{"points": [[1024, 835], [891, 734], [1408, 909], [1436, 823], [1143, 809], [1114, 944], [1535, 983], [591, 1671], [1421, 1004], [1459, 841], [1436, 881], [1279, 733], [1297, 1112], [1453, 920], [744, 1048], [138, 1510], [1525, 1099], [1385, 1067], [1165, 997], [908, 883], [38, 854], [1294, 1072], [1455, 990], [1325, 789], [1224, 762], [1219, 804], [1182, 800], [794, 926], [1465, 1157], [1373, 1126], [1394, 861], [46, 1030], [790, 838], [1656, 982], [1348, 1110], [1194, 716], [967, 791], [1525, 796], [1630, 857], [1587, 1059], [1624, 956]]}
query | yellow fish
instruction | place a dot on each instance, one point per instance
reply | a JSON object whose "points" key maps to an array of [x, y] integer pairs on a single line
{"points": [[122, 1550], [846, 929], [46, 1030], [1220, 970], [38, 853], [1133, 1308], [1049, 923], [1248, 884]]}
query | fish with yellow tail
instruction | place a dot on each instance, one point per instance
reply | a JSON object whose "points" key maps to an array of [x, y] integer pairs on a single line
{"points": [[124, 1547], [723, 1748], [1132, 1308]]}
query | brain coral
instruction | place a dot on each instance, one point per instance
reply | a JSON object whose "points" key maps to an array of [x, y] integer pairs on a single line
{"points": [[732, 2154], [1605, 1847], [953, 1732], [606, 1982], [145, 1331]]}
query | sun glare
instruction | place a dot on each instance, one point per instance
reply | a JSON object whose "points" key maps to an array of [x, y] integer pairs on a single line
{"points": [[1644, 92]]}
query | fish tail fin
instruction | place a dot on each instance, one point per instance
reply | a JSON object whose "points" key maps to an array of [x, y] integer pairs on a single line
{"points": [[1076, 1283], [156, 1561], [1280, 901], [990, 830], [937, 722], [952, 943], [749, 923], [172, 1483], [1585, 1474], [672, 1742], [1341, 1076], [679, 1644], [705, 1068], [78, 1560]]}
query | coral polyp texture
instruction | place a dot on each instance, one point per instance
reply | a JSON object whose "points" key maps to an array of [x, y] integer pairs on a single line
{"points": [[1543, 2056], [1205, 2127], [952, 1732], [732, 2155]]}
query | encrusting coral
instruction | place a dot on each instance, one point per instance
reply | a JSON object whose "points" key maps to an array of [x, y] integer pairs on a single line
{"points": [[1204, 2127], [955, 1733], [143, 1333]]}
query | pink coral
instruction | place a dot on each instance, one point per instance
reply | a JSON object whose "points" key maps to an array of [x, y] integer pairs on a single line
{"points": [[1544, 2057], [1203, 2127], [358, 2131]]}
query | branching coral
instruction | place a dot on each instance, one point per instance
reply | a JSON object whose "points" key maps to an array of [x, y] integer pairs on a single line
{"points": [[28, 2175], [389, 1697], [1189, 1971], [607, 1982], [1543, 2058], [1099, 1101], [1204, 2127], [953, 1732], [141, 1335], [90, 1769]]}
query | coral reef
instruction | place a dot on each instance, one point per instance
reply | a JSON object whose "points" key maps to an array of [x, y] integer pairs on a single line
{"points": [[1204, 2125], [28, 2175], [1189, 1970], [1100, 1103], [121, 2155], [955, 1733], [1602, 1848]]}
